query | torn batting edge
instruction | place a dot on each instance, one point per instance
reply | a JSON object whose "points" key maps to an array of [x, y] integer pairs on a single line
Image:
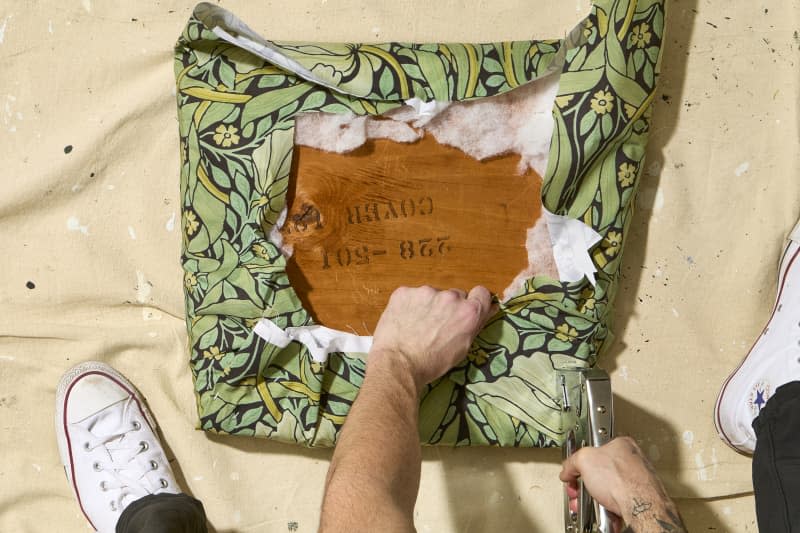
{"points": [[276, 237], [568, 240], [519, 122], [540, 259]]}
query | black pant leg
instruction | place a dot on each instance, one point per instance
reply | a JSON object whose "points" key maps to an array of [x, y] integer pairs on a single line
{"points": [[163, 513], [776, 462]]}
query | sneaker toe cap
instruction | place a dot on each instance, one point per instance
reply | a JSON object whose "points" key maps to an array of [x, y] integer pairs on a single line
{"points": [[90, 394]]}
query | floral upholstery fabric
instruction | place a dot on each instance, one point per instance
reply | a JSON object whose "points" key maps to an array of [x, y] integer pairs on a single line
{"points": [[236, 116]]}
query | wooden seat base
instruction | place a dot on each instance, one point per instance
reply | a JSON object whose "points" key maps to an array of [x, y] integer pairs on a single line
{"points": [[389, 214]]}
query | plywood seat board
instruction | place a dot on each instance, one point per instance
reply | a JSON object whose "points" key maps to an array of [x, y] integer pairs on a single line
{"points": [[389, 214]]}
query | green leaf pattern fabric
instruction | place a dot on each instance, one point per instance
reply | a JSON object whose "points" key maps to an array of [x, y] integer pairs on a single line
{"points": [[236, 116]]}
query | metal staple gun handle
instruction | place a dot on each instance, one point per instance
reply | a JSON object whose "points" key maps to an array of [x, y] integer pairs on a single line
{"points": [[588, 404]]}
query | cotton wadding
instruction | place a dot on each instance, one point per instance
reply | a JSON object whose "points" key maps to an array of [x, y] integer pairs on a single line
{"points": [[540, 259], [276, 237], [519, 121]]}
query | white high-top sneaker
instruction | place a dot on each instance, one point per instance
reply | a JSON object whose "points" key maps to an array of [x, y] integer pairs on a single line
{"points": [[773, 360], [108, 443]]}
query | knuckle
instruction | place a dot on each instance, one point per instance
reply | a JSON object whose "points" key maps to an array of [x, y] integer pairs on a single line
{"points": [[449, 295], [579, 457], [426, 289], [626, 443], [482, 291]]}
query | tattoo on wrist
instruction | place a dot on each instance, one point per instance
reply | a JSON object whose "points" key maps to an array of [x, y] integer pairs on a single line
{"points": [[640, 506], [672, 523]]}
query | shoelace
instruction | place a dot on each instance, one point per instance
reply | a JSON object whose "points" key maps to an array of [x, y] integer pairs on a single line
{"points": [[122, 450]]}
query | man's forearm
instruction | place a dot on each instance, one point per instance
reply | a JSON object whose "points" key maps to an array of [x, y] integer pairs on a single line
{"points": [[374, 474]]}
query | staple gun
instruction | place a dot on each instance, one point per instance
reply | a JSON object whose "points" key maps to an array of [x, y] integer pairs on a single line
{"points": [[588, 413]]}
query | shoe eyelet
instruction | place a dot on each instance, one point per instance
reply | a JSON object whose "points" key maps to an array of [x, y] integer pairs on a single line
{"points": [[113, 506], [144, 446], [103, 486], [87, 447], [164, 483], [153, 465], [136, 425], [96, 466]]}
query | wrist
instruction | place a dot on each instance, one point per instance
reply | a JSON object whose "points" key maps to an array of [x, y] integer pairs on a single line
{"points": [[644, 506], [395, 366]]}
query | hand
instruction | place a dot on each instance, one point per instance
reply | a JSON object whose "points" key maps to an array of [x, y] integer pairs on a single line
{"points": [[429, 331], [618, 476]]}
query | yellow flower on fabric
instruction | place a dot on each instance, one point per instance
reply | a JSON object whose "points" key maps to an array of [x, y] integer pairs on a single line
{"points": [[603, 102], [260, 251], [630, 110], [566, 333], [640, 36], [626, 174], [563, 101], [477, 357], [226, 370], [191, 223], [226, 136], [612, 243], [212, 353], [317, 367], [190, 280], [587, 300]]}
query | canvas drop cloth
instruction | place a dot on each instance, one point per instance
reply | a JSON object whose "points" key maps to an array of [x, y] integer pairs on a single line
{"points": [[90, 241]]}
